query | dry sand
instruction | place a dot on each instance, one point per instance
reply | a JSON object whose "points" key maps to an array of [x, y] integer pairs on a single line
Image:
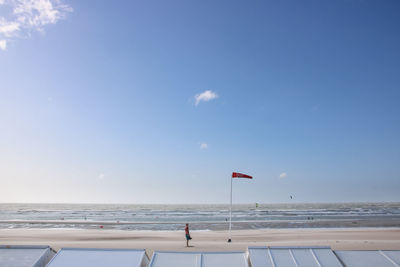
{"points": [[337, 239]]}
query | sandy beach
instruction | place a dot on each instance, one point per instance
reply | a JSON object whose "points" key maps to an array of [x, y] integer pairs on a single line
{"points": [[337, 239]]}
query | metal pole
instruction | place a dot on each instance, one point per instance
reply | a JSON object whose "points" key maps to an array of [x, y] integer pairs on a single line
{"points": [[230, 216]]}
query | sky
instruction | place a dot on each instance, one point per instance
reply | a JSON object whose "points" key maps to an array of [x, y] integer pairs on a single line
{"points": [[160, 101]]}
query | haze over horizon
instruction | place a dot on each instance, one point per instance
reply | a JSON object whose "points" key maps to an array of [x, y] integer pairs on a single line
{"points": [[159, 102]]}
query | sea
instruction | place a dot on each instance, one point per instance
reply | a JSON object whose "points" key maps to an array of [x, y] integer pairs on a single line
{"points": [[201, 217]]}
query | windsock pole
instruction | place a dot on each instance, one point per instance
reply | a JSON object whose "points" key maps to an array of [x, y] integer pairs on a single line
{"points": [[234, 175], [230, 216]]}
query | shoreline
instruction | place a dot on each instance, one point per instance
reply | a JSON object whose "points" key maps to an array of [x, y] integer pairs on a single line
{"points": [[202, 225], [205, 230], [337, 239]]}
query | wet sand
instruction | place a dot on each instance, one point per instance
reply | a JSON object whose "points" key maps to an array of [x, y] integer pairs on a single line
{"points": [[337, 239]]}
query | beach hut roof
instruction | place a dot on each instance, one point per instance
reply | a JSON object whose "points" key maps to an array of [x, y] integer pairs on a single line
{"points": [[87, 257], [292, 256], [369, 258], [25, 256], [198, 259]]}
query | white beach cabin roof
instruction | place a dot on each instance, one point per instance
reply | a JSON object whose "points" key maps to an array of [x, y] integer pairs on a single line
{"points": [[82, 257], [199, 259], [292, 256], [369, 258], [25, 256]]}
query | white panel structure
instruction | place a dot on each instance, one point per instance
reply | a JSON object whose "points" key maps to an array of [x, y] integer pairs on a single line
{"points": [[199, 259], [260, 257], [292, 256], [25, 256], [369, 258], [393, 255], [170, 259], [224, 259], [82, 257]]}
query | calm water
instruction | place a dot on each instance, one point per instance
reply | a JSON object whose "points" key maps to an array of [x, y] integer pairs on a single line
{"points": [[250, 216]]}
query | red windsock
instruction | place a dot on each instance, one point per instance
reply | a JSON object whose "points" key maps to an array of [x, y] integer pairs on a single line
{"points": [[241, 175]]}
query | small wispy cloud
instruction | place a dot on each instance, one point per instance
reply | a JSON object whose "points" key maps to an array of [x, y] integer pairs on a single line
{"points": [[3, 44], [26, 16], [8, 28], [205, 96], [203, 146], [283, 175], [101, 176]]}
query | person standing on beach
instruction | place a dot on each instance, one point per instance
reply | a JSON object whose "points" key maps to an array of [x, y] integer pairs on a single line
{"points": [[187, 234]]}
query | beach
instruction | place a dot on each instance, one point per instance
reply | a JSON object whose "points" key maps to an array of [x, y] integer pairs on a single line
{"points": [[342, 226], [336, 238]]}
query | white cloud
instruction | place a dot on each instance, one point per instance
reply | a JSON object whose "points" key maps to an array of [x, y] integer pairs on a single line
{"points": [[3, 44], [101, 176], [205, 96], [283, 175], [26, 16], [8, 28], [203, 145]]}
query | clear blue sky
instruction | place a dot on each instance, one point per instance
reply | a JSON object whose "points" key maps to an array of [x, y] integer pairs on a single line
{"points": [[98, 102]]}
